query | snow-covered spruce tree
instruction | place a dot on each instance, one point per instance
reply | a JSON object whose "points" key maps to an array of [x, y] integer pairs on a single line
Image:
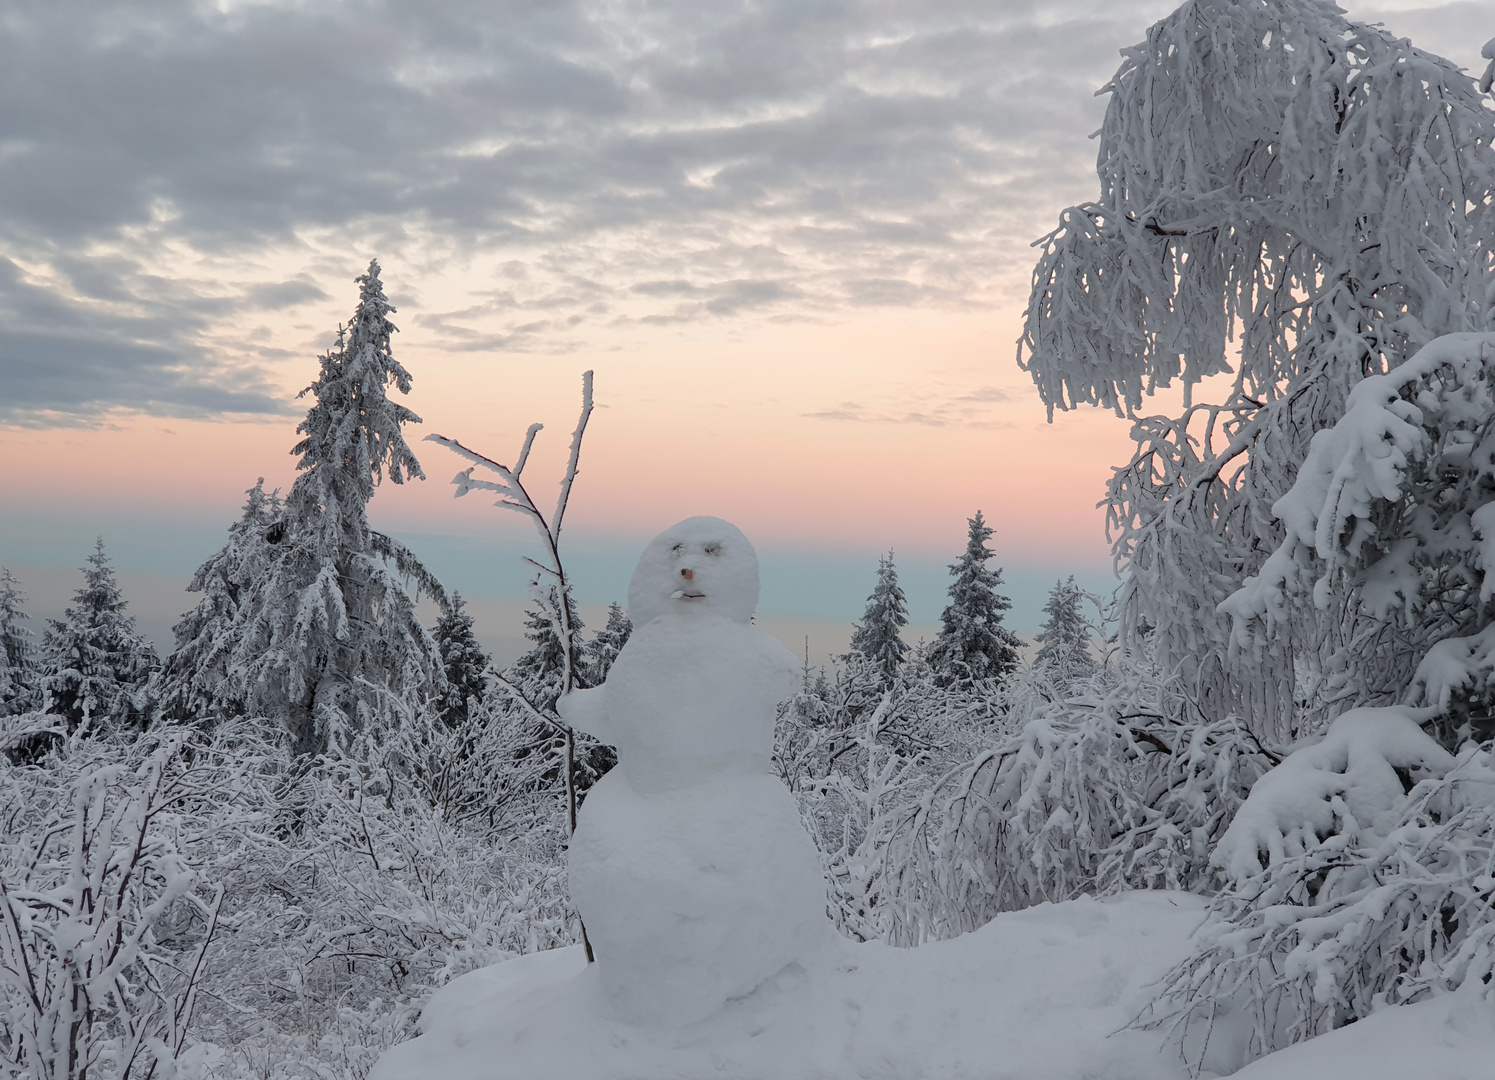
{"points": [[877, 635], [1292, 200], [195, 683], [1064, 642], [95, 666], [464, 662], [607, 643], [1389, 523], [332, 648], [973, 643], [18, 678], [539, 675], [538, 672]]}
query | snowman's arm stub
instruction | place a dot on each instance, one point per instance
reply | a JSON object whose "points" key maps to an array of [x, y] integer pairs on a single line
{"points": [[586, 710]]}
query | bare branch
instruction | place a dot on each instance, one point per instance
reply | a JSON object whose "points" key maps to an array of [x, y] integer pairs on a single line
{"points": [[581, 427]]}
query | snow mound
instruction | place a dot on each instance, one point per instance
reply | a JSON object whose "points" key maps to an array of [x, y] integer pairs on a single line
{"points": [[1450, 1037], [1039, 994]]}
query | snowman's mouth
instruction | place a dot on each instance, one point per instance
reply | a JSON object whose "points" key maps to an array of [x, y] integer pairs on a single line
{"points": [[681, 594]]}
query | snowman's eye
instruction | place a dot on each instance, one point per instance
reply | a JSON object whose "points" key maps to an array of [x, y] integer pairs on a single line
{"points": [[678, 548], [713, 549]]}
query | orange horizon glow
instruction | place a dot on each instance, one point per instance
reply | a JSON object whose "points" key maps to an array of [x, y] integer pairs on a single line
{"points": [[706, 422]]}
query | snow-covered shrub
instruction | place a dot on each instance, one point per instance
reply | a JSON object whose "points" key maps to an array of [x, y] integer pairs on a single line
{"points": [[1092, 795], [109, 849], [857, 752], [1389, 527], [1360, 871], [360, 893]]}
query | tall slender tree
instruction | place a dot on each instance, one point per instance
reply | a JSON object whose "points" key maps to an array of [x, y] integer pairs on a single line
{"points": [[95, 665], [607, 643], [1064, 641], [332, 648], [18, 690], [464, 662], [973, 643], [877, 636]]}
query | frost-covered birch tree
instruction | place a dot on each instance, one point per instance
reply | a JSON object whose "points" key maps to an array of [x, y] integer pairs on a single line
{"points": [[1290, 200]]}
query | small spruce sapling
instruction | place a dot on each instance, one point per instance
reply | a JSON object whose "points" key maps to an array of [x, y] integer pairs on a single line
{"points": [[464, 661], [607, 643]]}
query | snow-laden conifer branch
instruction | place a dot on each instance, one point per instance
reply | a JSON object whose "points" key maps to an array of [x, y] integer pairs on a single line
{"points": [[408, 566]]}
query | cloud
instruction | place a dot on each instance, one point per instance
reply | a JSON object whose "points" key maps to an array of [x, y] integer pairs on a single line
{"points": [[662, 162], [66, 360], [926, 404], [273, 296]]}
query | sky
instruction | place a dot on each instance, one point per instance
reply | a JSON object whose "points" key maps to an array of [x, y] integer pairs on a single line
{"points": [[792, 240]]}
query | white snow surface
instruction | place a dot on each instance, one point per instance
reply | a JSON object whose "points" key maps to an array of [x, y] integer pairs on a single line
{"points": [[1039, 994], [1450, 1037], [1349, 773]]}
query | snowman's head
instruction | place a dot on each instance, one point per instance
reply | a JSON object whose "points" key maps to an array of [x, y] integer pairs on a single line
{"points": [[703, 564]]}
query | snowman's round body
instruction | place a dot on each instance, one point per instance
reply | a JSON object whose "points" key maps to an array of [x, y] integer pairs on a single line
{"points": [[690, 867]]}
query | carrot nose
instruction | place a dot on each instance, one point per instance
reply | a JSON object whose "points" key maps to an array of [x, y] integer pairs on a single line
{"points": [[688, 575]]}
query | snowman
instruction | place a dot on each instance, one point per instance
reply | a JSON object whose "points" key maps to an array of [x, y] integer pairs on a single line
{"points": [[691, 870]]}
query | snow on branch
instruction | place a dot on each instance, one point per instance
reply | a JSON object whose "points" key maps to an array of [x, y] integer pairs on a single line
{"points": [[1438, 402], [550, 586], [1348, 782]]}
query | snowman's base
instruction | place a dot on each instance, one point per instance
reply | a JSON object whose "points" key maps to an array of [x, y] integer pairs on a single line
{"points": [[1042, 994]]}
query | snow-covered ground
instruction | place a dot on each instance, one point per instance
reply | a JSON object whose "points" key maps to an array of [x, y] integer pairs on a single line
{"points": [[1451, 1037], [1041, 994]]}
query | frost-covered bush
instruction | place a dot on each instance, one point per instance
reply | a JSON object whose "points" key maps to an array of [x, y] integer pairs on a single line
{"points": [[1389, 532], [1118, 789], [209, 899], [1289, 201], [858, 751], [355, 905], [109, 898], [1360, 871]]}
